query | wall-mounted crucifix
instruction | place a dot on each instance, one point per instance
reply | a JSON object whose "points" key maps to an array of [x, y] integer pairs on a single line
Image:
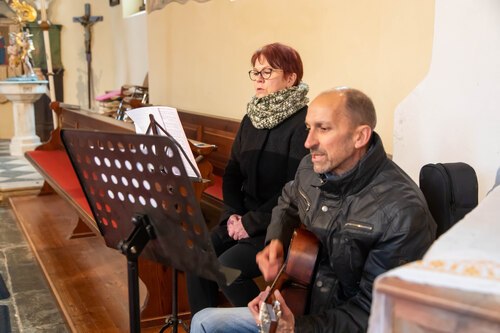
{"points": [[87, 21]]}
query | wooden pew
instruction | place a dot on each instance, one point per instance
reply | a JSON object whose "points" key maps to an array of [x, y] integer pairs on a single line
{"points": [[52, 162]]}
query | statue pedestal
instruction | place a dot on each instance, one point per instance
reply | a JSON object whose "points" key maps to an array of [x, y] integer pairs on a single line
{"points": [[23, 94]]}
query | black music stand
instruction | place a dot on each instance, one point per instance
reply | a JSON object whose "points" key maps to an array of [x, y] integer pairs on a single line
{"points": [[144, 204], [173, 320]]}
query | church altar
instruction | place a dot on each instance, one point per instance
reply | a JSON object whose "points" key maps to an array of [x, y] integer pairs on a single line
{"points": [[454, 288]]}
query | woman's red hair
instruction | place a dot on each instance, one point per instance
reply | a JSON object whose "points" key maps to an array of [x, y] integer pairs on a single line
{"points": [[282, 57]]}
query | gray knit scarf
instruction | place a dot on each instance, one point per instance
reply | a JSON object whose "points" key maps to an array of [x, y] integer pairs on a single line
{"points": [[271, 110]]}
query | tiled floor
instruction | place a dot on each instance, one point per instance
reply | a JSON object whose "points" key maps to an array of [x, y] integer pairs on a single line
{"points": [[4, 147], [32, 307], [15, 171]]}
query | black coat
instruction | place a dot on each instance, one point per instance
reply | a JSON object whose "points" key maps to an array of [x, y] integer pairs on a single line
{"points": [[369, 220], [262, 161]]}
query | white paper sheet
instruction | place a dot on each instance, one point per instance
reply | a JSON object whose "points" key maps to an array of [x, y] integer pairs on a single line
{"points": [[168, 119]]}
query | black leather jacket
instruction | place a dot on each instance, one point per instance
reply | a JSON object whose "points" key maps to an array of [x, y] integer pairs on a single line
{"points": [[369, 220]]}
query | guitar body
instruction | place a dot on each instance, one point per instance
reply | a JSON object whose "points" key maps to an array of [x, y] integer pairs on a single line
{"points": [[296, 297], [302, 256], [299, 270]]}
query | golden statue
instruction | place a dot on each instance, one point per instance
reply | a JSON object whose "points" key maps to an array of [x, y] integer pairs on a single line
{"points": [[19, 50], [24, 11], [20, 43]]}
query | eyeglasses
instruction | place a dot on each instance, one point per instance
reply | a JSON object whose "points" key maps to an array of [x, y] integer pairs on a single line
{"points": [[265, 73]]}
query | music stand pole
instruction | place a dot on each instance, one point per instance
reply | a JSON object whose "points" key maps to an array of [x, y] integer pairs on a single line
{"points": [[173, 320], [132, 248], [133, 294]]}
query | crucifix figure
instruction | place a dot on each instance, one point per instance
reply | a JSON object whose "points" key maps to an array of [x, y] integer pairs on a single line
{"points": [[87, 21]]}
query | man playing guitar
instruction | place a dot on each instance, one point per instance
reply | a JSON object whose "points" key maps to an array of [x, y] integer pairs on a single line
{"points": [[367, 214]]}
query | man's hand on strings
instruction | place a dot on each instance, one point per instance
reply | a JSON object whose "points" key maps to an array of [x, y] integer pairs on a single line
{"points": [[235, 227], [270, 259]]}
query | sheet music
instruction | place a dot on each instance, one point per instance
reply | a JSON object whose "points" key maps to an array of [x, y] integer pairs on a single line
{"points": [[168, 118]]}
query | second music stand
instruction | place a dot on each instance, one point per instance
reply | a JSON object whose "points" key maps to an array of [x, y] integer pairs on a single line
{"points": [[173, 320]]}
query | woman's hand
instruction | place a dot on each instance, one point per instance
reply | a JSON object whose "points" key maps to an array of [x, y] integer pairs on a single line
{"points": [[235, 227], [270, 259]]}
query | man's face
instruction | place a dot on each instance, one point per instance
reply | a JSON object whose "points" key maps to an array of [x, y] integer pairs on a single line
{"points": [[331, 138]]}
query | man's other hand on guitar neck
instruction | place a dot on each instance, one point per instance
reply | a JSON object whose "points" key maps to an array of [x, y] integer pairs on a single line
{"points": [[270, 259]]}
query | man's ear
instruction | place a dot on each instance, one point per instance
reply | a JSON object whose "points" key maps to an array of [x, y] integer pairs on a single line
{"points": [[363, 134]]}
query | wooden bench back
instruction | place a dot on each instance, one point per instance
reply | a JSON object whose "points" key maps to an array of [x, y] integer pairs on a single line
{"points": [[218, 131], [215, 130]]}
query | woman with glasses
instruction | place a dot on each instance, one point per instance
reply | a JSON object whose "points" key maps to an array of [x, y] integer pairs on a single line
{"points": [[265, 155]]}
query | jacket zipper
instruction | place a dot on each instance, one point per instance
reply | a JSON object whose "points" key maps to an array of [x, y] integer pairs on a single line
{"points": [[305, 198], [359, 226]]}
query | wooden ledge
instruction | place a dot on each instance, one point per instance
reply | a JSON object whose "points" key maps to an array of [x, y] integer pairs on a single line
{"points": [[88, 279]]}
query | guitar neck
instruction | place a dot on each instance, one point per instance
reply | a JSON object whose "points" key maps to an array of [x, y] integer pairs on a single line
{"points": [[277, 284]]}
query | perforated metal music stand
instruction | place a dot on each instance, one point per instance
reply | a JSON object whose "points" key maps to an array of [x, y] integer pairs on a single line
{"points": [[144, 204]]}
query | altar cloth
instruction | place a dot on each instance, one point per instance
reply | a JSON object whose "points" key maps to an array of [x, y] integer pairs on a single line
{"points": [[465, 257]]}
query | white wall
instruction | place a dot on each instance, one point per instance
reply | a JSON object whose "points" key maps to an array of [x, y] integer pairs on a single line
{"points": [[454, 113], [199, 53], [119, 48], [136, 48]]}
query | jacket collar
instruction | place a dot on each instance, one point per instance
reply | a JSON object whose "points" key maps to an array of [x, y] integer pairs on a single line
{"points": [[358, 177]]}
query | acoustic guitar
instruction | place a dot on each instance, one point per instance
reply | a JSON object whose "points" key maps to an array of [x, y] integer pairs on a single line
{"points": [[292, 280]]}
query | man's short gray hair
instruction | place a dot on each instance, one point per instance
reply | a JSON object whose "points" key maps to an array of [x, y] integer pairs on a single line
{"points": [[359, 106]]}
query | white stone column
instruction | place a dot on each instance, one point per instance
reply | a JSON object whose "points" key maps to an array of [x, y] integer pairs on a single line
{"points": [[453, 115], [23, 95]]}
